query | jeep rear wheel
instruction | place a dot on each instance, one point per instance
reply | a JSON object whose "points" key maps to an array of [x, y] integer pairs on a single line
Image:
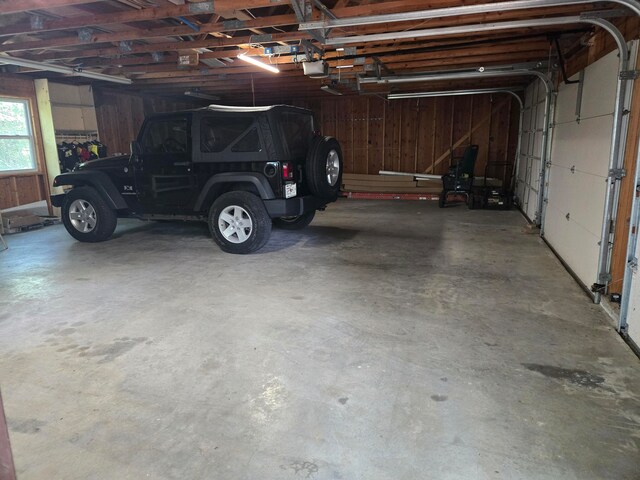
{"points": [[86, 216], [323, 169], [295, 223], [239, 223]]}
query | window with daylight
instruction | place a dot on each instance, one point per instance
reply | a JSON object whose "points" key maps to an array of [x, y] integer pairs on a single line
{"points": [[17, 151]]}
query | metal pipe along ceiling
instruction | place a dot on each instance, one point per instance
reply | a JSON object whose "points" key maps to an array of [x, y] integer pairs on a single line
{"points": [[22, 62], [453, 93], [634, 5], [458, 29], [430, 77]]}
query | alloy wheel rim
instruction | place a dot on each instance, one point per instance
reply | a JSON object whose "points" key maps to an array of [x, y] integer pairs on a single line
{"points": [[83, 216], [333, 167], [235, 224]]}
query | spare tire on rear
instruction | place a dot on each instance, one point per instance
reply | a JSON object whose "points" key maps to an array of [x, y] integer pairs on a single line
{"points": [[323, 170]]}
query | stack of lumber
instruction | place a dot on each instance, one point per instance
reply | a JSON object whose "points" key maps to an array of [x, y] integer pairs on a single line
{"points": [[355, 182]]}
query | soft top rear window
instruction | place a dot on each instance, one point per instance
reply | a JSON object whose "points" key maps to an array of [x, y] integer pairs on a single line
{"points": [[298, 129]]}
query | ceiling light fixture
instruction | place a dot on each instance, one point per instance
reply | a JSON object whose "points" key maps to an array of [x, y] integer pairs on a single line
{"points": [[197, 94], [258, 63], [330, 90], [76, 72], [344, 66]]}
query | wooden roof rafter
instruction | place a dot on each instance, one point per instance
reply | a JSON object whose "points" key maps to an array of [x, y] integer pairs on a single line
{"points": [[125, 42]]}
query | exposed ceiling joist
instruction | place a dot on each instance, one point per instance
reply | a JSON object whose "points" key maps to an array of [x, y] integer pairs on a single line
{"points": [[143, 42], [137, 34], [186, 10], [83, 21], [16, 6]]}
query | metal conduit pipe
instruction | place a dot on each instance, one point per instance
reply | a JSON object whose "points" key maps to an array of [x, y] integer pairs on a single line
{"points": [[458, 29], [435, 76], [454, 93], [633, 5]]}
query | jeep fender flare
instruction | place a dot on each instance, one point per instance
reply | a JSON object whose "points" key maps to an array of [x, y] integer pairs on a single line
{"points": [[95, 179], [258, 180]]}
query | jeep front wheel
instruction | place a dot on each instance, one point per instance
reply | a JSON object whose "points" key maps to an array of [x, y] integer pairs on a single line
{"points": [[295, 223], [86, 216], [239, 223]]}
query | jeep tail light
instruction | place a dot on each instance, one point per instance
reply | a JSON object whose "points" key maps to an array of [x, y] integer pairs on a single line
{"points": [[287, 171]]}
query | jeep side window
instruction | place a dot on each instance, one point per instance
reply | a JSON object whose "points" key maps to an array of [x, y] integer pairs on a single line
{"points": [[298, 130], [168, 135], [216, 134], [249, 143]]}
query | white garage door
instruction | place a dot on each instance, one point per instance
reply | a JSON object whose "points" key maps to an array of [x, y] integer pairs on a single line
{"points": [[579, 168], [633, 313], [528, 178]]}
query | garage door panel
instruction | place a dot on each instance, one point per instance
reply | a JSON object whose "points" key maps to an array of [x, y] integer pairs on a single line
{"points": [[540, 117], [573, 220], [541, 92], [585, 145], [528, 95], [566, 103], [599, 93], [573, 215], [527, 186], [577, 247], [536, 151], [582, 197], [526, 120], [529, 162], [564, 200]]}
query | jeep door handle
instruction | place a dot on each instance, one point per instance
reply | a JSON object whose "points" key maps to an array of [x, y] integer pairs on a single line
{"points": [[181, 164]]}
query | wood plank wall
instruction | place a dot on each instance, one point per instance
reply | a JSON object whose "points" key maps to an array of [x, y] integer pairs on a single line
{"points": [[412, 135], [120, 115], [20, 188], [418, 135]]}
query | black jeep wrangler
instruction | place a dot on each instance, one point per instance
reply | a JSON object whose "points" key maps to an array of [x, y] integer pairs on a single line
{"points": [[240, 169]]}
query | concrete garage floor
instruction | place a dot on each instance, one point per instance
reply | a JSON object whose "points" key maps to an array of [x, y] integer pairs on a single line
{"points": [[388, 341]]}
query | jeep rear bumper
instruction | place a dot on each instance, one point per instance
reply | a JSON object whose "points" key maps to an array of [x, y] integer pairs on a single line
{"points": [[292, 207]]}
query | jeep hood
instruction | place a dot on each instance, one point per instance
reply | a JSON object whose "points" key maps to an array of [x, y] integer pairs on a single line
{"points": [[104, 163]]}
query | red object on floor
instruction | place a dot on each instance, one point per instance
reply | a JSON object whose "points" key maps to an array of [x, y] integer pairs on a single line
{"points": [[390, 196]]}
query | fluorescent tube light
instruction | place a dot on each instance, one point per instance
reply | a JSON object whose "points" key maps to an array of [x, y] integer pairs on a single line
{"points": [[258, 63], [330, 90], [77, 72], [344, 66]]}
